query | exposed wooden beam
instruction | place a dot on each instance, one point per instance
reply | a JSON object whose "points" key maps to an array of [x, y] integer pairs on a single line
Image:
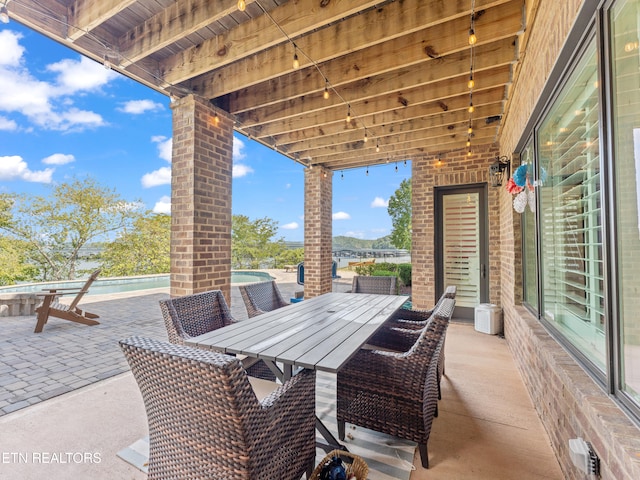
{"points": [[351, 61], [291, 87], [259, 33], [380, 99], [332, 121], [85, 15]]}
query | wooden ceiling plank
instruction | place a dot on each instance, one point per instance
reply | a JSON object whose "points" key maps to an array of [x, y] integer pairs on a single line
{"points": [[429, 70], [358, 61], [258, 34], [386, 97], [310, 138], [180, 19], [392, 134], [332, 121], [86, 15]]}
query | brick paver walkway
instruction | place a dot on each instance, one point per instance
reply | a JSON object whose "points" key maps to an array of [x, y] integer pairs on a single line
{"points": [[67, 356]]}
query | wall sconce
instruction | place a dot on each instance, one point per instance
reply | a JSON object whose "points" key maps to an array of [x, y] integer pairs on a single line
{"points": [[499, 170]]}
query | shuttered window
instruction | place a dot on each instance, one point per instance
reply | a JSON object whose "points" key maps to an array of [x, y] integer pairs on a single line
{"points": [[570, 215]]}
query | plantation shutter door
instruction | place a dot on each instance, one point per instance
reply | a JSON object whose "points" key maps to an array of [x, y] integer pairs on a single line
{"points": [[461, 246]]}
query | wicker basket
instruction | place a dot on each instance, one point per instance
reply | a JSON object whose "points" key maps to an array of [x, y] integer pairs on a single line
{"points": [[354, 465]]}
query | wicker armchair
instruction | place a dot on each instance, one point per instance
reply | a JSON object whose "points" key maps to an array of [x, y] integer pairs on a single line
{"points": [[192, 315], [261, 297], [417, 318], [392, 392], [379, 285], [205, 421], [402, 339]]}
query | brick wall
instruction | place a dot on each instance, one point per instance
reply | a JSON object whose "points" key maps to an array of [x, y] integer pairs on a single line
{"points": [[318, 192], [568, 401], [448, 169], [200, 198]]}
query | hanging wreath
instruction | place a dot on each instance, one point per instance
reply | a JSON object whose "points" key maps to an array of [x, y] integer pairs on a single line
{"points": [[523, 188]]}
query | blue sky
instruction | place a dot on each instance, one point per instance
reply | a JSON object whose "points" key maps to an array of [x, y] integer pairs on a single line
{"points": [[63, 116]]}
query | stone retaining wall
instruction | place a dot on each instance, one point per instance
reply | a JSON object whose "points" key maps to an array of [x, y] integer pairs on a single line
{"points": [[15, 304]]}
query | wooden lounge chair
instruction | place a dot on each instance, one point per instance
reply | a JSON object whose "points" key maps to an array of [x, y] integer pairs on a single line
{"points": [[50, 307], [205, 420]]}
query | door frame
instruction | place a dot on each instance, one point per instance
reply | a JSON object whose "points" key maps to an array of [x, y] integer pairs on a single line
{"points": [[483, 214]]}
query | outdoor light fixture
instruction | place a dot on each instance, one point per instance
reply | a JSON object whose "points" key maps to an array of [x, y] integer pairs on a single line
{"points": [[4, 14], [499, 170], [242, 5]]}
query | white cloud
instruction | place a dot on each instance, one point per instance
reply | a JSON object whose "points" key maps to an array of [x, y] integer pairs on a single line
{"points": [[341, 216], [15, 168], [58, 159], [354, 234], [238, 147], [138, 107], [287, 186], [161, 176], [240, 170], [165, 147], [83, 75], [290, 226], [48, 105], [379, 202], [10, 50], [7, 124], [163, 205]]}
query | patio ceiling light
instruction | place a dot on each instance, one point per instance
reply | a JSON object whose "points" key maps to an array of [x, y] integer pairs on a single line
{"points": [[242, 5], [4, 14], [499, 170]]}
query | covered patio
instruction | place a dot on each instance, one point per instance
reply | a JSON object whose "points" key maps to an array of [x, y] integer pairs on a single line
{"points": [[449, 86]]}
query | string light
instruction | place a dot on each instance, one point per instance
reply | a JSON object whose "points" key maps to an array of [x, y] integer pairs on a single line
{"points": [[326, 90], [296, 62], [396, 167], [470, 129], [342, 175], [216, 118], [367, 170], [365, 139], [471, 82], [468, 142], [377, 146], [242, 5], [348, 113], [472, 37]]}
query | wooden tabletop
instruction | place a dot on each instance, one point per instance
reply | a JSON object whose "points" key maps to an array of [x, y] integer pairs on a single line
{"points": [[320, 333]]}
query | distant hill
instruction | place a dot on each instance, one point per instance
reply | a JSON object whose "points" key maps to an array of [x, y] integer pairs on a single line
{"points": [[352, 242]]}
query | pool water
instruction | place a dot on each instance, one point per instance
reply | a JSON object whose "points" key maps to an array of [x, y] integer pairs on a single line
{"points": [[129, 284]]}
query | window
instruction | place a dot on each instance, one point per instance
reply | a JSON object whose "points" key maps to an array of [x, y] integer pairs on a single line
{"points": [[570, 212], [625, 76]]}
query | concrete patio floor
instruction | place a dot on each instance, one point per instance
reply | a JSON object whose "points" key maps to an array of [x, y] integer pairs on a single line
{"points": [[82, 401]]}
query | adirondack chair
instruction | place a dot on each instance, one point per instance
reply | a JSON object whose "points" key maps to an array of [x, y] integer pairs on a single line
{"points": [[50, 307]]}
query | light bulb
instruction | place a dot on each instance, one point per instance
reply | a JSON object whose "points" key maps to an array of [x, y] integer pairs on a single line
{"points": [[377, 147], [468, 143], [472, 37], [242, 5], [216, 119], [367, 171], [469, 153], [4, 14], [366, 139], [349, 114], [326, 92], [470, 129], [296, 62], [471, 83], [471, 109]]}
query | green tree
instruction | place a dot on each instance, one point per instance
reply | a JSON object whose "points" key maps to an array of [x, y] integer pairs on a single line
{"points": [[290, 257], [143, 250], [400, 212], [56, 227], [252, 243], [14, 266]]}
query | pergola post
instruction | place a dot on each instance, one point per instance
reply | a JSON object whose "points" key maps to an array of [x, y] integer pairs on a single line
{"points": [[201, 198], [318, 192]]}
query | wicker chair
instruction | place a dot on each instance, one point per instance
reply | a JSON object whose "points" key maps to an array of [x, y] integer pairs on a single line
{"points": [[402, 339], [392, 392], [192, 315], [205, 421], [261, 297], [418, 318], [379, 285]]}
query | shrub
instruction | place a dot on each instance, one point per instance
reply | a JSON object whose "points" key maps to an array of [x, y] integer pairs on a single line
{"points": [[383, 273], [404, 273]]}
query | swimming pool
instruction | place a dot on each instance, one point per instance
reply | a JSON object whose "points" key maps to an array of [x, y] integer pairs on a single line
{"points": [[129, 284]]}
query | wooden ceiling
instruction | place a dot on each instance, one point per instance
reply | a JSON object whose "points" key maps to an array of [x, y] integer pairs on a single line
{"points": [[401, 67]]}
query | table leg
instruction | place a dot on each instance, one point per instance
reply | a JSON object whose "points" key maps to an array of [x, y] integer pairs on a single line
{"points": [[332, 442]]}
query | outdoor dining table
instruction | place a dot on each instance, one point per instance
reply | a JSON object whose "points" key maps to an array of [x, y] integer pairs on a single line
{"points": [[320, 333]]}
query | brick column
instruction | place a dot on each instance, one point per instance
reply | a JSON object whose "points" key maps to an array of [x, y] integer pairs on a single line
{"points": [[318, 192], [200, 198]]}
